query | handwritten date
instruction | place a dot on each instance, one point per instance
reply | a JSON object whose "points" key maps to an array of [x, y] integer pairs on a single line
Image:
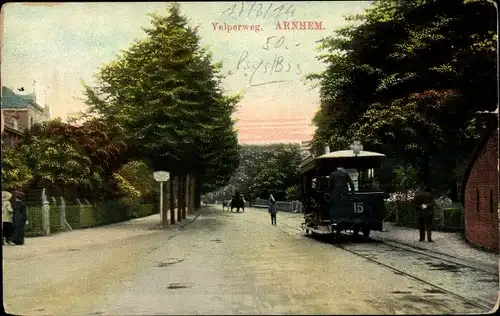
{"points": [[260, 10]]}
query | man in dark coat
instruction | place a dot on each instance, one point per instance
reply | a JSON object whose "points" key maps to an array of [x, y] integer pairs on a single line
{"points": [[424, 204], [18, 218], [338, 185]]}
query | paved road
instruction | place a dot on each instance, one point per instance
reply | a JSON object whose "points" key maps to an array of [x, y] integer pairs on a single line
{"points": [[222, 263]]}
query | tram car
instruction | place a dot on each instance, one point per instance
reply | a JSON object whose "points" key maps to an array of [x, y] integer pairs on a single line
{"points": [[359, 211]]}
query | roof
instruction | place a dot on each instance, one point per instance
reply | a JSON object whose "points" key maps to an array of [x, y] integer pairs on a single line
{"points": [[492, 128], [350, 154], [12, 100]]}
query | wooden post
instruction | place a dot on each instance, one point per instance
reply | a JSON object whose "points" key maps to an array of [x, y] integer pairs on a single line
{"points": [[166, 207], [172, 199], [179, 198]]}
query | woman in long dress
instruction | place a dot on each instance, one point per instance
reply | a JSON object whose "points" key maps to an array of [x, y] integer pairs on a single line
{"points": [[19, 219]]}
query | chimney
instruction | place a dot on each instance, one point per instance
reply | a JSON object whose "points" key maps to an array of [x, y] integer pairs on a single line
{"points": [[327, 149]]}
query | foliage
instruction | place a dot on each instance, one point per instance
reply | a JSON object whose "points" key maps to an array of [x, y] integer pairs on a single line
{"points": [[139, 175], [405, 177], [15, 173], [126, 188], [407, 78], [55, 159], [264, 169], [163, 93]]}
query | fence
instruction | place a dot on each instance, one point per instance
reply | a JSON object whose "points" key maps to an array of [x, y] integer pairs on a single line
{"points": [[53, 214], [446, 218], [294, 206]]}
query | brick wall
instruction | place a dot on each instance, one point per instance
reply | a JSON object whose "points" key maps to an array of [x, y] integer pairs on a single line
{"points": [[481, 197]]}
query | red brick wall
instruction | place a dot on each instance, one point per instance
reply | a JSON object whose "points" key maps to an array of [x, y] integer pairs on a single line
{"points": [[481, 225]]}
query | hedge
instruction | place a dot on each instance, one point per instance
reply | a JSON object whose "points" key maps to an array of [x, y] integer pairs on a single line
{"points": [[93, 215]]}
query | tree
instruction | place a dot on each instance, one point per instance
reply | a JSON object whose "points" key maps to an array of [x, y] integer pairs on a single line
{"points": [[405, 80], [56, 163], [164, 94], [15, 172], [140, 176]]}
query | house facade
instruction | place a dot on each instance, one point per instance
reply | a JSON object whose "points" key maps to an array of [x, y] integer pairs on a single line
{"points": [[480, 193], [19, 114]]}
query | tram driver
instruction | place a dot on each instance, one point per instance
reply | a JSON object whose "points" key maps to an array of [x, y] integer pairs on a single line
{"points": [[338, 185]]}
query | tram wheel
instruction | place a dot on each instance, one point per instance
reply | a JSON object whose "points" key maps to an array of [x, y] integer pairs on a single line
{"points": [[366, 232], [355, 232], [307, 231]]}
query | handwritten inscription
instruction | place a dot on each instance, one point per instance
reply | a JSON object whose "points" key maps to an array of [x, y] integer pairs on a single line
{"points": [[276, 42], [260, 10], [263, 71]]}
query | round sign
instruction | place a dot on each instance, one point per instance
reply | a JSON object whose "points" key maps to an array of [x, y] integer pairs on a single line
{"points": [[161, 176]]}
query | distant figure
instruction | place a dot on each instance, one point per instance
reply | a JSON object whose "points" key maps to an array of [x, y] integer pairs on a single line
{"points": [[7, 212], [338, 185], [18, 218], [272, 209], [424, 205]]}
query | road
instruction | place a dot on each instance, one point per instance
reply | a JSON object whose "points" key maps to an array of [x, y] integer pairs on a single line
{"points": [[231, 263]]}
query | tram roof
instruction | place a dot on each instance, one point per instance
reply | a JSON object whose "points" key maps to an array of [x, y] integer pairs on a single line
{"points": [[349, 154], [343, 156]]}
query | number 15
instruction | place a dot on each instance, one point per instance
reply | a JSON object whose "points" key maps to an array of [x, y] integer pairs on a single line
{"points": [[358, 207]]}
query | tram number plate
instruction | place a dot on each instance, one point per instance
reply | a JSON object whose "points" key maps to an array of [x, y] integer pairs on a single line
{"points": [[358, 207]]}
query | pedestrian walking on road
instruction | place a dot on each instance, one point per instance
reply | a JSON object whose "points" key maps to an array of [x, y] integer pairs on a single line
{"points": [[424, 205], [18, 218], [272, 209], [7, 212]]}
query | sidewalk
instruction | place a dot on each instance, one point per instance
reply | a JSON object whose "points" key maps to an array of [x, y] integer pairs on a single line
{"points": [[91, 237], [445, 243]]}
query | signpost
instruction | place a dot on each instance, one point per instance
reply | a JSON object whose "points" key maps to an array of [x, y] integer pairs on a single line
{"points": [[161, 176]]}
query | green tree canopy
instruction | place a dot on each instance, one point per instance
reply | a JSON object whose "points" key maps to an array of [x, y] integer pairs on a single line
{"points": [[164, 94], [407, 79]]}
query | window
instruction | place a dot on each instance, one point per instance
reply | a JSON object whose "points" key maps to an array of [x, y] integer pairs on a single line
{"points": [[477, 200], [492, 207], [31, 122], [14, 124]]}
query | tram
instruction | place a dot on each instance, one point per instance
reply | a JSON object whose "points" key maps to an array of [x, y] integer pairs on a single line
{"points": [[359, 211]]}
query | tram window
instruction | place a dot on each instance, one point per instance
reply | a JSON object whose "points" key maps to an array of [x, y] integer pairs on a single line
{"points": [[353, 173]]}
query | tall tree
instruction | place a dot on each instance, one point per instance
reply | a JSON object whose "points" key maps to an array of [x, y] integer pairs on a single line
{"points": [[407, 79], [164, 94]]}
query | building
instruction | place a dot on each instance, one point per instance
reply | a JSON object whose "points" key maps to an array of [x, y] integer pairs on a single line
{"points": [[305, 149], [480, 193], [20, 113]]}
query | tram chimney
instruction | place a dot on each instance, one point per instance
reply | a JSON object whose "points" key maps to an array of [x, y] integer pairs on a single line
{"points": [[327, 149]]}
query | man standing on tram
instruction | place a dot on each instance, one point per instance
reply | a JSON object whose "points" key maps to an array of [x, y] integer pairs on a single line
{"points": [[338, 185]]}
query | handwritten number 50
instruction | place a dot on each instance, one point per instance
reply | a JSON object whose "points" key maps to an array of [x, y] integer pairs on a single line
{"points": [[278, 43]]}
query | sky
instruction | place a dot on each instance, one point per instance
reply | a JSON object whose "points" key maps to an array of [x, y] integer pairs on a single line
{"points": [[58, 45]]}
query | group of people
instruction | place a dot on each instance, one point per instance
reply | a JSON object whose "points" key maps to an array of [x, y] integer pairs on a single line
{"points": [[13, 217]]}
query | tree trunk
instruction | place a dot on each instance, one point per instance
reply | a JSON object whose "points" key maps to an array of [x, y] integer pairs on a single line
{"points": [[183, 194], [192, 186], [172, 199], [197, 194], [179, 198], [188, 195]]}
